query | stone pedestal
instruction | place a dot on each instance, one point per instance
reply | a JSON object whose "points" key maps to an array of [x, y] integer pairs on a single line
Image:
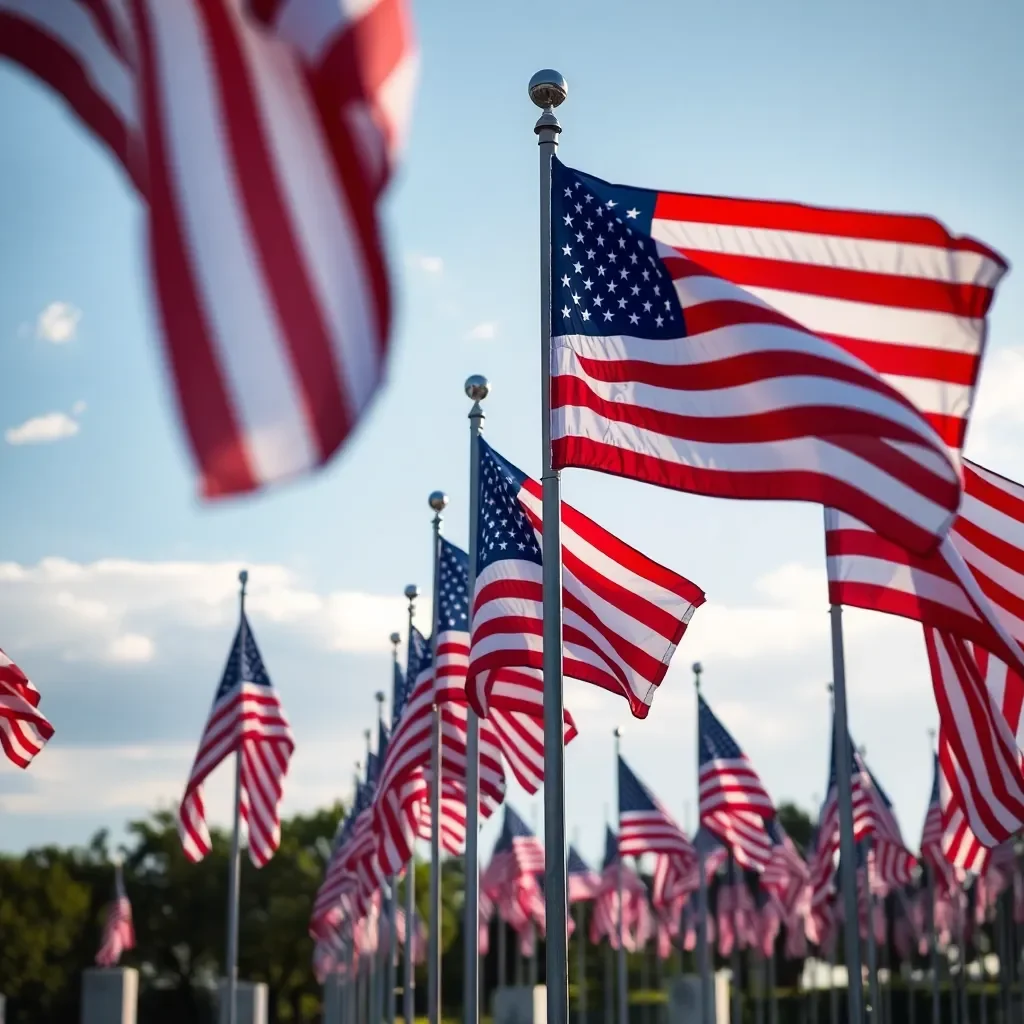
{"points": [[520, 1004], [684, 999], [250, 1002], [110, 995]]}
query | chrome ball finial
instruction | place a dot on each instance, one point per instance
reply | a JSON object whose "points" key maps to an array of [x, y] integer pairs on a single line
{"points": [[478, 387], [548, 89], [617, 731], [243, 577], [379, 697], [438, 501], [697, 668], [395, 639], [412, 591]]}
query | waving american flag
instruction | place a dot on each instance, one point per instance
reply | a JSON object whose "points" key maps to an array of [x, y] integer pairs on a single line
{"points": [[644, 825], [720, 346], [259, 134], [624, 614], [246, 719], [118, 931], [24, 730]]}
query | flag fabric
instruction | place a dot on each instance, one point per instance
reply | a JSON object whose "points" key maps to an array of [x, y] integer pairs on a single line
{"points": [[583, 880], [118, 932], [894, 863], [604, 919], [785, 876], [961, 846], [259, 136], [517, 853], [246, 719], [623, 614], [733, 802], [645, 826], [24, 730], [722, 346]]}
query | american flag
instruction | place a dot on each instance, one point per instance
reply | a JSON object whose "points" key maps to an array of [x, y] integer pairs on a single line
{"points": [[583, 880], [517, 853], [733, 802], [23, 729], [624, 614], [894, 862], [933, 834], [246, 719], [118, 933], [259, 135], [645, 826], [604, 919], [961, 846], [718, 346], [785, 876]]}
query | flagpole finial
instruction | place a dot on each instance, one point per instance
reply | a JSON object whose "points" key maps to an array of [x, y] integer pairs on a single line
{"points": [[478, 387], [548, 89], [697, 669], [438, 501], [396, 638], [243, 578], [617, 732], [379, 697], [411, 592]]}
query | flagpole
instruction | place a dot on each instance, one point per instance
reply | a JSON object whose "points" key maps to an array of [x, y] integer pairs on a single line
{"points": [[477, 388], [844, 794], [621, 960], [734, 960], [370, 970], [502, 950], [234, 869], [409, 971], [581, 967], [876, 1003], [548, 90], [390, 970], [707, 994], [438, 501]]}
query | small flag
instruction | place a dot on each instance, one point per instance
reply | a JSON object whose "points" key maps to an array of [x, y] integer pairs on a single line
{"points": [[118, 932]]}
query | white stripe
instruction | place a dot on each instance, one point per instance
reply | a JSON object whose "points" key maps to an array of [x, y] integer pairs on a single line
{"points": [[74, 28], [902, 578], [900, 258], [320, 216], [250, 349]]}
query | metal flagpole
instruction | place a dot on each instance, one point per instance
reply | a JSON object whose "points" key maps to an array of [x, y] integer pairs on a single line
{"points": [[707, 992], [350, 981], [876, 1002], [547, 90], [502, 951], [847, 847], [370, 970], [609, 981], [623, 992], [477, 388], [391, 952], [961, 942], [235, 866], [773, 1004], [409, 972], [438, 501], [734, 959]]}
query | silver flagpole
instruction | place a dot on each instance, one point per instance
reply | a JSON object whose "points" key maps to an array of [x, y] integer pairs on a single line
{"points": [[502, 951], [548, 89], [961, 941], [707, 992], [847, 847], [391, 950], [872, 948], [773, 1005], [833, 992], [620, 924], [438, 501], [476, 388], [371, 961], [234, 868], [409, 971], [734, 960]]}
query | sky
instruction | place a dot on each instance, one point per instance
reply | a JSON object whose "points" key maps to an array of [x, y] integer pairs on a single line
{"points": [[118, 587]]}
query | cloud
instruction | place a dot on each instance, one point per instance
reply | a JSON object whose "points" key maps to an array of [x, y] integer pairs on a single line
{"points": [[52, 426], [483, 331], [433, 265], [996, 433], [78, 408], [131, 647], [58, 323]]}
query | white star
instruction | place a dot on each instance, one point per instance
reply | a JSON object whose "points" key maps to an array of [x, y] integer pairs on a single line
{"points": [[633, 318], [568, 192], [600, 239], [589, 198], [597, 300], [612, 286], [657, 289], [568, 220], [565, 280], [633, 214], [612, 257], [579, 236], [600, 271], [586, 314], [622, 243], [607, 314], [566, 311], [575, 298], [667, 305], [588, 223], [659, 320], [635, 290], [579, 209], [624, 273], [588, 284], [647, 307], [611, 204], [622, 303], [591, 254], [566, 250], [645, 274], [578, 267], [632, 258]]}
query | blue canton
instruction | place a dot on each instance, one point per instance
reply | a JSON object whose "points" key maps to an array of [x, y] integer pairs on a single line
{"points": [[502, 529], [577, 865], [453, 588], [244, 663], [607, 278], [832, 760], [611, 848], [715, 742], [633, 794]]}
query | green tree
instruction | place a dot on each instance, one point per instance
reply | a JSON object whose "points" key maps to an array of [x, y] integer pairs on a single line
{"points": [[797, 823]]}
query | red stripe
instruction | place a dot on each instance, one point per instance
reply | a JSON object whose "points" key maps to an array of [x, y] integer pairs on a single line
{"points": [[817, 220]]}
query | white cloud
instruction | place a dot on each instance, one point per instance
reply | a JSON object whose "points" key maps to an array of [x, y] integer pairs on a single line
{"points": [[483, 331], [131, 647], [433, 265], [78, 408], [58, 323], [52, 426], [996, 434]]}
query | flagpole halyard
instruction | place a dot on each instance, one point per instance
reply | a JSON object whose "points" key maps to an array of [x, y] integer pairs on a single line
{"points": [[409, 967], [548, 90], [844, 795], [438, 501], [234, 876], [477, 388]]}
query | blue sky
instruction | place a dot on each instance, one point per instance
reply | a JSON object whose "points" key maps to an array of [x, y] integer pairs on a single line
{"points": [[117, 585]]}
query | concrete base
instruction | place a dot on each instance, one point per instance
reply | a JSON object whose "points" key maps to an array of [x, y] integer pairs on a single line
{"points": [[684, 1005], [110, 995], [520, 1004], [250, 1002]]}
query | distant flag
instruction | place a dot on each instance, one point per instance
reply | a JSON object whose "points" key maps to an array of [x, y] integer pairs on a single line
{"points": [[722, 346], [118, 932], [604, 918], [733, 802], [644, 825], [259, 136], [24, 730], [894, 863], [961, 846], [583, 880], [623, 616], [785, 876], [247, 719], [518, 852]]}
